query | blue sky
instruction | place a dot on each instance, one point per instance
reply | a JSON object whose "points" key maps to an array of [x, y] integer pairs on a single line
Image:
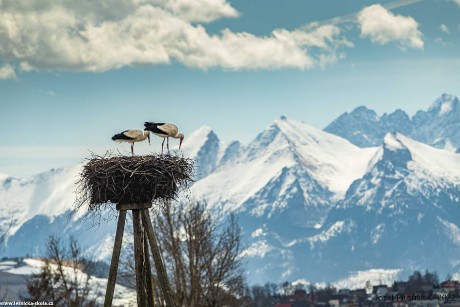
{"points": [[72, 74]]}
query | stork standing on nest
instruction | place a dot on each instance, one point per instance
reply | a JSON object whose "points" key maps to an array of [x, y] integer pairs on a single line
{"points": [[165, 131], [132, 136]]}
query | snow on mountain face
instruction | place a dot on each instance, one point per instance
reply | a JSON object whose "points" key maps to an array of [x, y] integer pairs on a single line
{"points": [[403, 212], [408, 166], [361, 127], [40, 206], [439, 126], [333, 161], [207, 150], [286, 154], [285, 182], [401, 215], [46, 193], [445, 104]]}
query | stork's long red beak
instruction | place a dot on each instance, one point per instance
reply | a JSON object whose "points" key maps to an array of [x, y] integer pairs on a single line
{"points": [[180, 143]]}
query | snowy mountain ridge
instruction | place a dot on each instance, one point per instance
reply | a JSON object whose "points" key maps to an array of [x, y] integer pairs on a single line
{"points": [[438, 126], [311, 204]]}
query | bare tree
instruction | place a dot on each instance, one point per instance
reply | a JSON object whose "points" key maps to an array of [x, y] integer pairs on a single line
{"points": [[61, 279], [200, 254], [5, 293]]}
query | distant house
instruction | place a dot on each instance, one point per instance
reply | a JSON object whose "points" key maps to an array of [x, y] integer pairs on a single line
{"points": [[380, 290], [450, 285]]}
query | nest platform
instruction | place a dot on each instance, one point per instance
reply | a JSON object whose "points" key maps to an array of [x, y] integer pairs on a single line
{"points": [[130, 180]]}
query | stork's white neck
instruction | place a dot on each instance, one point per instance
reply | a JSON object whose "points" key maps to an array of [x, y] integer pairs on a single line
{"points": [[178, 136], [145, 135]]}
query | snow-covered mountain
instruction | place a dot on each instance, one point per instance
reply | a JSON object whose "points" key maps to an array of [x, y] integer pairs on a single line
{"points": [[439, 126], [208, 151], [41, 205], [289, 169], [404, 212], [312, 205]]}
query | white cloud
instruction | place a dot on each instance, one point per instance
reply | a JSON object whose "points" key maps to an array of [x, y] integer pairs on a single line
{"points": [[7, 72], [444, 28], [457, 2], [103, 35], [201, 10], [382, 26]]}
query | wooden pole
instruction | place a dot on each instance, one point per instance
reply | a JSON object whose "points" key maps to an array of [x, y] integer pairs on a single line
{"points": [[115, 259], [148, 269], [138, 257], [159, 265]]}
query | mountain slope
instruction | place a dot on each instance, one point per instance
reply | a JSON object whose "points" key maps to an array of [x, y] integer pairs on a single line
{"points": [[207, 150], [439, 126], [288, 157], [282, 186], [403, 213], [40, 206]]}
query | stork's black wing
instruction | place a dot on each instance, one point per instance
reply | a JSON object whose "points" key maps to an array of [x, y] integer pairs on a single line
{"points": [[121, 136], [153, 127], [146, 124]]}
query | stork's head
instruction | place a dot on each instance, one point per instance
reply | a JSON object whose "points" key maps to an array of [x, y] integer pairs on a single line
{"points": [[181, 136]]}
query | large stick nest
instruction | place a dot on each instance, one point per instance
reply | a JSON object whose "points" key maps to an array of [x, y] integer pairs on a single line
{"points": [[130, 180]]}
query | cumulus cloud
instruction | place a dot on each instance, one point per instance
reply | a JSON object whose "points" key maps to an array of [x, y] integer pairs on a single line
{"points": [[201, 10], [7, 72], [382, 27], [102, 35], [444, 28]]}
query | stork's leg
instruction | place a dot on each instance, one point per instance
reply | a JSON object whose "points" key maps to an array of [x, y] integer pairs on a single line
{"points": [[132, 149], [162, 146], [167, 144]]}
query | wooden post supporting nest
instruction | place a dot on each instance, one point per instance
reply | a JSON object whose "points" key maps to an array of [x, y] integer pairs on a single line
{"points": [[143, 236]]}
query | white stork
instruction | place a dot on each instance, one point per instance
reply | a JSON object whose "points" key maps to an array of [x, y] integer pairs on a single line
{"points": [[132, 136], [165, 131]]}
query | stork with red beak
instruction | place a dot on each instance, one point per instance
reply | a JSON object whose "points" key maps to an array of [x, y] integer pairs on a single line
{"points": [[132, 136], [165, 131]]}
